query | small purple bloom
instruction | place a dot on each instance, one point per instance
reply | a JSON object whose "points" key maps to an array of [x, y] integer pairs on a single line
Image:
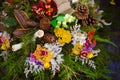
{"points": [[39, 63], [87, 49], [92, 45], [32, 58]]}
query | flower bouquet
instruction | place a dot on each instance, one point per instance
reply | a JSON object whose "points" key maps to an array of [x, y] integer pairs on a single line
{"points": [[52, 40]]}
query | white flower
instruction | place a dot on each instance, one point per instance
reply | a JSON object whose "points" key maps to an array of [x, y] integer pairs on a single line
{"points": [[59, 59], [89, 62], [4, 13], [55, 66], [5, 35], [77, 34], [32, 67], [16, 47], [39, 34], [55, 48], [96, 52], [69, 18]]}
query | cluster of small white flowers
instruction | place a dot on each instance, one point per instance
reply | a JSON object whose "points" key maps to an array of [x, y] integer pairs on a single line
{"points": [[5, 35], [78, 35], [56, 63], [55, 48], [89, 62], [32, 67], [69, 18], [95, 52]]}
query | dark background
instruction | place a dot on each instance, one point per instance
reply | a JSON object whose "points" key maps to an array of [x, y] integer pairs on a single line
{"points": [[112, 14]]}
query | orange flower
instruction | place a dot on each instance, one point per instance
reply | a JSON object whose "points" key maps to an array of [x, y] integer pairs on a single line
{"points": [[37, 52], [94, 42], [90, 36]]}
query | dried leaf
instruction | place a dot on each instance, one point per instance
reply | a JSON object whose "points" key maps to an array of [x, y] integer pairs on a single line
{"points": [[64, 6]]}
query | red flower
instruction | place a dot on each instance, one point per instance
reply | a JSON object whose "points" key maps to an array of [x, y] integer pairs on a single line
{"points": [[41, 9], [51, 8], [84, 54]]}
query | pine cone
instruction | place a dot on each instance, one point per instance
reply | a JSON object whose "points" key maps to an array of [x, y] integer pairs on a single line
{"points": [[45, 24], [49, 38], [89, 21], [82, 11]]}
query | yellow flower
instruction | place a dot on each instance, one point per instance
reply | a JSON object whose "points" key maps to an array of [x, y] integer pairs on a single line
{"points": [[90, 55], [47, 65], [5, 44], [77, 48], [47, 58], [63, 35]]}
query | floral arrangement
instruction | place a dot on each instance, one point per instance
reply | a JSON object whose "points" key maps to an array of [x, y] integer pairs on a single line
{"points": [[47, 28]]}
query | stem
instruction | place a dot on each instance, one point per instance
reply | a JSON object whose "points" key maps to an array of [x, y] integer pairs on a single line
{"points": [[66, 67]]}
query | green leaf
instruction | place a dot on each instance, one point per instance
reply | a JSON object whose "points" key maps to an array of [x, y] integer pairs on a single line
{"points": [[98, 38], [54, 23], [60, 17], [11, 21]]}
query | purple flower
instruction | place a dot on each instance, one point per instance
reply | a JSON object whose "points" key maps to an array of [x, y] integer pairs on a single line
{"points": [[39, 63], [88, 47], [87, 44], [32, 58]]}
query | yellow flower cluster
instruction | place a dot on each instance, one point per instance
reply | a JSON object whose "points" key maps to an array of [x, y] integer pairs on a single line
{"points": [[5, 44], [46, 58], [90, 55], [77, 48], [63, 35]]}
